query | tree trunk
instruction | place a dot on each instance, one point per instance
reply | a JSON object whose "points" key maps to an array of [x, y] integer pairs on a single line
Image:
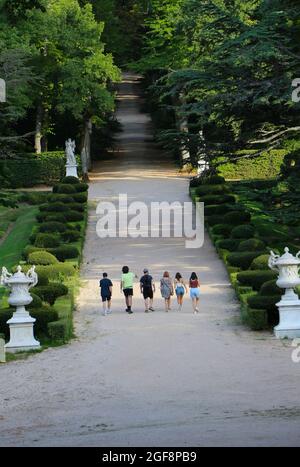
{"points": [[38, 130], [182, 125], [86, 149]]}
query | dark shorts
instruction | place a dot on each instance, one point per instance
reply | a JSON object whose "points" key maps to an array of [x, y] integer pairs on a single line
{"points": [[106, 298], [148, 293], [128, 292]]}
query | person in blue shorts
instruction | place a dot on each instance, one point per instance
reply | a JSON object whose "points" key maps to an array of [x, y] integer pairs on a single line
{"points": [[180, 289], [106, 286], [195, 291]]}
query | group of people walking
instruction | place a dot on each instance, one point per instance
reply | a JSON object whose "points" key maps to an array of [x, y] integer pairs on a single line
{"points": [[168, 288]]}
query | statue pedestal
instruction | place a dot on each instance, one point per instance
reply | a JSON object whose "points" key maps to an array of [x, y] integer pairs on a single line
{"points": [[21, 332], [71, 170], [289, 312]]}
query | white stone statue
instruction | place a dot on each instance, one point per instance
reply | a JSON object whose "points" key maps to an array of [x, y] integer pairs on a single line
{"points": [[70, 152], [4, 276]]}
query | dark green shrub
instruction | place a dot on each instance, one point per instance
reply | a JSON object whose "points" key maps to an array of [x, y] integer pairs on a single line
{"points": [[217, 209], [264, 302], [52, 227], [256, 279], [257, 320], [261, 262], [64, 189], [57, 198], [70, 180], [42, 258], [79, 207], [237, 217], [243, 259], [218, 199], [221, 229], [50, 293], [270, 288], [230, 244], [36, 302], [43, 316], [52, 217], [243, 231], [80, 197], [271, 229], [213, 220], [74, 216], [47, 240], [252, 244], [5, 315], [30, 249], [81, 188], [54, 207], [60, 330], [65, 252], [203, 190], [71, 236]]}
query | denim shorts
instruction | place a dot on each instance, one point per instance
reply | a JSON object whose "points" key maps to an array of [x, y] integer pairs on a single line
{"points": [[179, 291], [195, 293]]}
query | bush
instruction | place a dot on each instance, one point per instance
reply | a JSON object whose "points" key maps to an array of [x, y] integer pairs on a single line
{"points": [[237, 217], [261, 262], [46, 240], [58, 227], [80, 197], [213, 220], [270, 288], [230, 244], [70, 180], [252, 244], [64, 189], [257, 320], [57, 198], [82, 187], [221, 229], [268, 303], [43, 316], [270, 229], [71, 236], [243, 259], [50, 293], [36, 303], [243, 231], [256, 279], [79, 207], [60, 330], [218, 199], [42, 258], [30, 249], [216, 209], [211, 189], [56, 271], [74, 216], [65, 252], [54, 207]]}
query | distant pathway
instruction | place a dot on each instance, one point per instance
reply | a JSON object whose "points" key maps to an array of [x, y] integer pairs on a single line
{"points": [[160, 379]]}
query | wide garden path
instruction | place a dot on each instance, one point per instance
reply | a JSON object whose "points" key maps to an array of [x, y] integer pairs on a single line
{"points": [[159, 379]]}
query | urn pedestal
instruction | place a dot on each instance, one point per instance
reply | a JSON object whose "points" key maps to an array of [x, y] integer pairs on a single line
{"points": [[289, 306], [21, 324]]}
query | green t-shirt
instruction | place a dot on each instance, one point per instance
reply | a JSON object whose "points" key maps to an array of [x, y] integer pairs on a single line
{"points": [[127, 280]]}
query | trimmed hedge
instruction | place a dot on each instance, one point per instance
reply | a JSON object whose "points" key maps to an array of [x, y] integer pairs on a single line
{"points": [[270, 288], [70, 180], [261, 262], [216, 209], [256, 279], [50, 293], [230, 244], [243, 231], [44, 240], [65, 252], [52, 227], [61, 330], [74, 216], [213, 220], [252, 244], [242, 260], [43, 316], [42, 258], [71, 235], [257, 320], [218, 199], [55, 207], [221, 229], [36, 303], [211, 189], [237, 217]]}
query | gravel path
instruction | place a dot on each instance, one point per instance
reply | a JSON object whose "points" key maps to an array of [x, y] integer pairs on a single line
{"points": [[159, 379]]}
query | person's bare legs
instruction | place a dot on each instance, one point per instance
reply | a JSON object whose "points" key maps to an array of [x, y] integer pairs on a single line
{"points": [[166, 304], [109, 306], [169, 303], [180, 302], [147, 305]]}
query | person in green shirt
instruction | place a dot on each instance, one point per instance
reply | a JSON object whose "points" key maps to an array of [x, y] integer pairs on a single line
{"points": [[127, 287]]}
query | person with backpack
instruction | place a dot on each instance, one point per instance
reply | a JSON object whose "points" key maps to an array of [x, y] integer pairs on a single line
{"points": [[106, 286], [147, 289], [195, 291]]}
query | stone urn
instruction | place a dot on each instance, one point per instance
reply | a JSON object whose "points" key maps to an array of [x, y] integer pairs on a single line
{"points": [[21, 324], [287, 267]]}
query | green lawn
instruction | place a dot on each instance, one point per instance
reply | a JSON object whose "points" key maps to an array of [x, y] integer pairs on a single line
{"points": [[11, 249]]}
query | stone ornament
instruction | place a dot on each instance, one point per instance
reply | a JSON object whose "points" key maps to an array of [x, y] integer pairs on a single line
{"points": [[71, 165], [21, 324], [287, 267]]}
